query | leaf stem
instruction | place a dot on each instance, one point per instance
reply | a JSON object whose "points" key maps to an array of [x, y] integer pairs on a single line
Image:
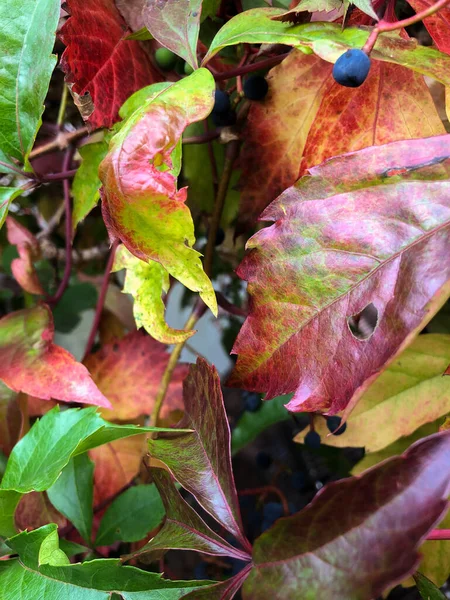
{"points": [[58, 176], [17, 170], [101, 299], [62, 107], [60, 142], [384, 26], [262, 64], [439, 534], [209, 136]]}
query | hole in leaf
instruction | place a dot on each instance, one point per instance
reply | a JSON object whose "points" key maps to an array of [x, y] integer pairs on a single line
{"points": [[363, 324]]}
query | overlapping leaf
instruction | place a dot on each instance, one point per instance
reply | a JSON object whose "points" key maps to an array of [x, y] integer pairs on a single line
{"points": [[371, 546], [175, 24], [128, 372], [102, 67], [10, 419], [86, 184], [28, 248], [201, 462], [27, 36], [30, 362], [225, 590], [368, 229], [141, 203], [410, 393], [438, 25], [35, 510], [7, 195], [147, 282]]}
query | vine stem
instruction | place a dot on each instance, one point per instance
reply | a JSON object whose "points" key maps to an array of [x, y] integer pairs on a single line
{"points": [[262, 64], [209, 136], [101, 299], [439, 534], [67, 174], [62, 107], [268, 489], [60, 142], [231, 154], [384, 26]]}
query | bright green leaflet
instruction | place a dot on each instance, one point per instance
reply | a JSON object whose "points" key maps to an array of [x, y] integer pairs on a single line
{"points": [[131, 516], [7, 195], [27, 578], [86, 184], [39, 457], [329, 41], [27, 36], [250, 425], [427, 589], [72, 494]]}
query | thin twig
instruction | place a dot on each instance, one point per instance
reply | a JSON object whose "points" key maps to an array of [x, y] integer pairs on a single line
{"points": [[17, 170], [202, 139], [262, 64], [268, 489], [439, 534], [52, 252], [101, 299], [60, 142], [58, 176], [230, 308], [62, 107]]}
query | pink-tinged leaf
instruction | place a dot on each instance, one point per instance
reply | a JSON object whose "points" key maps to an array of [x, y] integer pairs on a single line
{"points": [[438, 25], [183, 529], [141, 203], [225, 590], [35, 510], [358, 536], [28, 248], [364, 238], [102, 67], [31, 363], [129, 371], [175, 24], [201, 461], [131, 11]]}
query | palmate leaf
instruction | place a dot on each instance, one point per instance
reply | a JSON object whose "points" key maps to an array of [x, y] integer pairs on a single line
{"points": [[438, 25], [201, 462], [141, 204], [42, 571], [27, 36], [367, 230], [358, 536]]}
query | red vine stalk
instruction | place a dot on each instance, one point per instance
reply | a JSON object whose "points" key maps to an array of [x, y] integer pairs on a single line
{"points": [[262, 64], [101, 299], [439, 534], [65, 174], [268, 489]]}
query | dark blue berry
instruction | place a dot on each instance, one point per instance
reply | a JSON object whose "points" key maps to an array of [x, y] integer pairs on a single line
{"points": [[223, 119], [351, 68], [299, 481], [333, 424], [255, 87], [312, 439], [252, 401], [222, 103], [263, 460]]}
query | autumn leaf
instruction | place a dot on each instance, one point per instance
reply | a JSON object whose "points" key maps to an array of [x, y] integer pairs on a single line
{"points": [[35, 510], [100, 65], [371, 546], [10, 419], [30, 362], [201, 462], [141, 204], [147, 282], [438, 25], [28, 248], [362, 237], [128, 372]]}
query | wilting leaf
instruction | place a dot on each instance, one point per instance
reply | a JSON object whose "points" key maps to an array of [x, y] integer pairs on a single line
{"points": [[72, 494], [86, 184], [27, 36], [183, 529], [427, 589], [30, 362], [147, 282], [35, 510], [28, 248], [438, 25], [410, 393], [101, 66], [31, 575], [7, 195], [329, 41], [131, 516], [371, 545], [141, 203], [10, 419], [128, 372], [201, 462], [175, 24], [363, 235]]}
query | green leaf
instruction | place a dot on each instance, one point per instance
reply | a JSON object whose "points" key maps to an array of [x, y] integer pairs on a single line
{"points": [[7, 195], [72, 548], [39, 457], [77, 298], [50, 552], [86, 184], [72, 494], [131, 516], [329, 41], [250, 425], [24, 578], [426, 588], [141, 35], [147, 282], [27, 36], [366, 7]]}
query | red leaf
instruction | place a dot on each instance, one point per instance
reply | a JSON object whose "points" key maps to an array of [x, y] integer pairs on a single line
{"points": [[438, 25], [183, 529], [31, 363], [359, 535], [128, 372], [99, 62], [28, 248], [201, 461], [354, 234], [10, 419], [225, 590]]}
